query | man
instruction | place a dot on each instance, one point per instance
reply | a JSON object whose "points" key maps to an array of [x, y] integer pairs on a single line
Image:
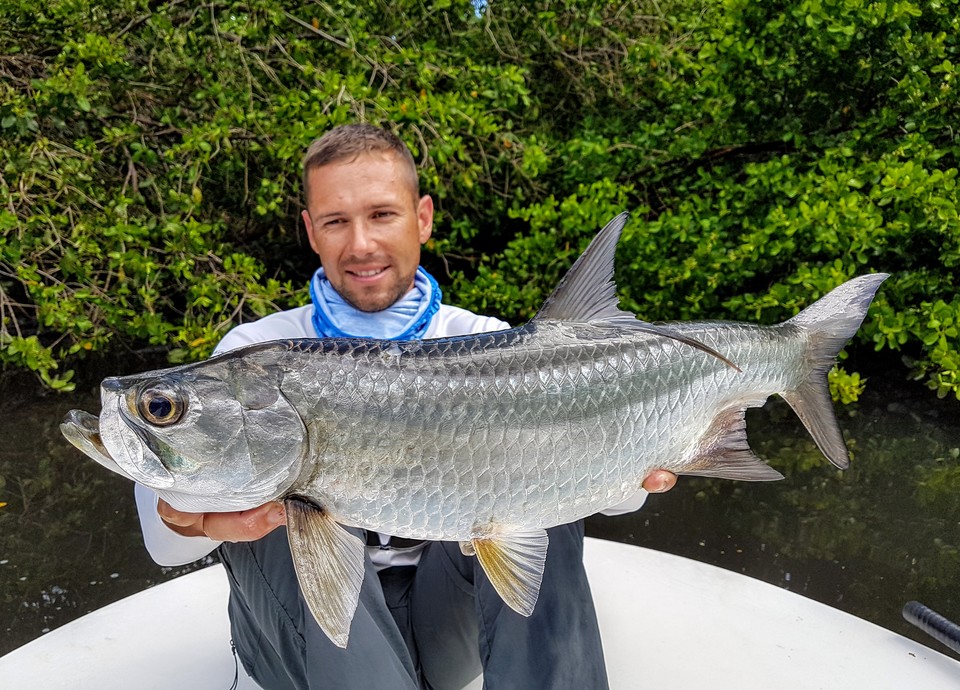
{"points": [[428, 617]]}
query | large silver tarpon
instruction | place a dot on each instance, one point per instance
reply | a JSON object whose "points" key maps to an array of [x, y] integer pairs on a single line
{"points": [[487, 439]]}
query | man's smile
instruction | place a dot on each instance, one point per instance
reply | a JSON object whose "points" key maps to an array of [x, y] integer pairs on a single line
{"points": [[368, 273]]}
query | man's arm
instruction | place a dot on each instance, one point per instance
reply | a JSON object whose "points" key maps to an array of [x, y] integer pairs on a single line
{"points": [[243, 525], [165, 546], [173, 537]]}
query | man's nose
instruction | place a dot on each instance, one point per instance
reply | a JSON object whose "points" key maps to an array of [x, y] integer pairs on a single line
{"points": [[362, 239]]}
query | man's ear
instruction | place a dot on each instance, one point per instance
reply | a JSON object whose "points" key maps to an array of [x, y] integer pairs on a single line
{"points": [[425, 217]]}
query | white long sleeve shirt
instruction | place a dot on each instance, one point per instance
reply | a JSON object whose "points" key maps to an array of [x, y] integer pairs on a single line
{"points": [[170, 548]]}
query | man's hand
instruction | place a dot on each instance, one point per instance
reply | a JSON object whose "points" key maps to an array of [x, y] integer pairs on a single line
{"points": [[659, 481], [244, 525]]}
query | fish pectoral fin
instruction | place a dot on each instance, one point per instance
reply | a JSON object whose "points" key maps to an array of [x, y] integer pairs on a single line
{"points": [[513, 561], [329, 564], [725, 453]]}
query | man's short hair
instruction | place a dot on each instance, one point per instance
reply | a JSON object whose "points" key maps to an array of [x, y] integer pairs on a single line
{"points": [[346, 142]]}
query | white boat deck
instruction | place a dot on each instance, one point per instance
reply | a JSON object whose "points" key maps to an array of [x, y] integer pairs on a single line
{"points": [[667, 622]]}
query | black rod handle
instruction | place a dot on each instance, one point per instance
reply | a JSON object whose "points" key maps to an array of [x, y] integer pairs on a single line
{"points": [[932, 623]]}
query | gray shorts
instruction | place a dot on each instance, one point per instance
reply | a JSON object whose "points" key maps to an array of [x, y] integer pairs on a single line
{"points": [[433, 626]]}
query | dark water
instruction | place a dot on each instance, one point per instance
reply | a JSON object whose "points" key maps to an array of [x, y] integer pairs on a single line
{"points": [[865, 541], [69, 536]]}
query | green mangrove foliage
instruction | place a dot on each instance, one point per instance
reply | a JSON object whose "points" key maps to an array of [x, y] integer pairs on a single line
{"points": [[767, 151]]}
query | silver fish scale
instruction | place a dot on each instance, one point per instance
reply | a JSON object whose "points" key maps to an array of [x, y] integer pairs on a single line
{"points": [[535, 426]]}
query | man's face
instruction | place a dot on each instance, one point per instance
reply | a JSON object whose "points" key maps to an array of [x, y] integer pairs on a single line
{"points": [[366, 225]]}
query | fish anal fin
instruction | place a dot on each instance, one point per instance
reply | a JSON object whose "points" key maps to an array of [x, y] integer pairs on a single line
{"points": [[329, 564], [513, 561], [466, 548], [725, 453], [812, 403]]}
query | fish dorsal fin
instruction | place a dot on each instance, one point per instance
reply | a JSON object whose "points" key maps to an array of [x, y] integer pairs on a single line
{"points": [[724, 451], [588, 293], [513, 561], [329, 564]]}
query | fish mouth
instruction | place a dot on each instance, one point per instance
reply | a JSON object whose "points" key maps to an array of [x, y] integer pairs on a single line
{"points": [[82, 429], [96, 436]]}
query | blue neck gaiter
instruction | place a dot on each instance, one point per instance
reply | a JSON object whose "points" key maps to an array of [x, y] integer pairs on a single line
{"points": [[406, 319]]}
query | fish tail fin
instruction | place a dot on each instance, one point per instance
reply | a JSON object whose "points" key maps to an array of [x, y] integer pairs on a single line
{"points": [[830, 323]]}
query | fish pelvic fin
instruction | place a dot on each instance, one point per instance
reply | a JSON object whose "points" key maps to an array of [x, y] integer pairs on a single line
{"points": [[724, 451], [513, 561], [588, 293], [830, 323], [329, 565]]}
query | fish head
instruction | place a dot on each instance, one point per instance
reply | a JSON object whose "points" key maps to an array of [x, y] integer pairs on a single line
{"points": [[214, 436]]}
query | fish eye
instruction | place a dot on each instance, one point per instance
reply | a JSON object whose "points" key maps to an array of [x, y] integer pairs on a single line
{"points": [[160, 406]]}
